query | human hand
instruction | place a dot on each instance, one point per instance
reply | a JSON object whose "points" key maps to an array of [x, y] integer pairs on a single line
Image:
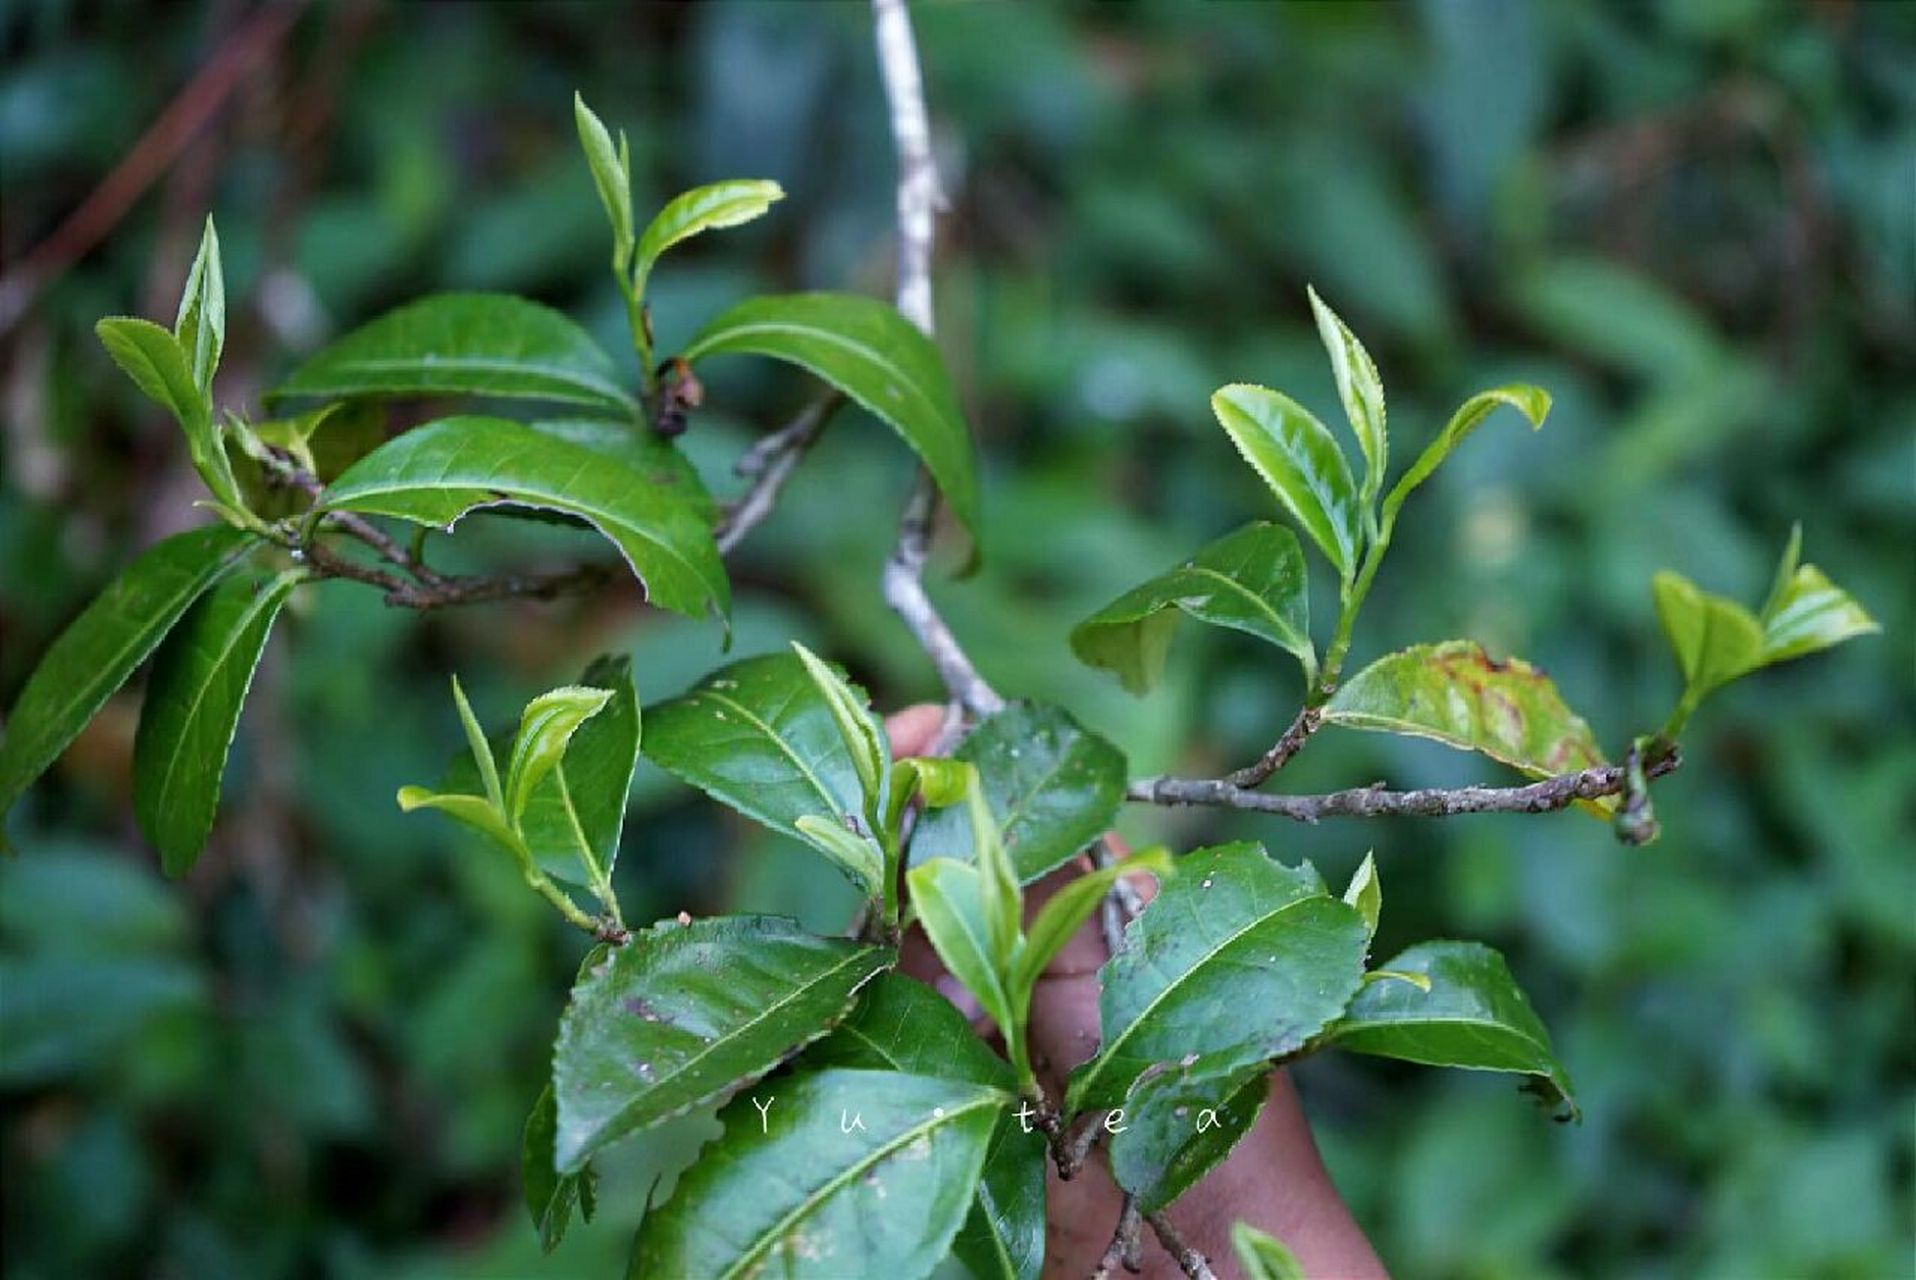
{"points": [[1274, 1179]]}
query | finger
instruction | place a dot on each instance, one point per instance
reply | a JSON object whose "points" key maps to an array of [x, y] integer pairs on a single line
{"points": [[913, 730]]}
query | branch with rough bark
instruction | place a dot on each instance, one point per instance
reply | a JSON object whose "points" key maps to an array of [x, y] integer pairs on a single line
{"points": [[1377, 801], [918, 198]]}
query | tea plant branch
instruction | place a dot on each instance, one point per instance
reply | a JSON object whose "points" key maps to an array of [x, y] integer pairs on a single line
{"points": [[768, 464], [1309, 717], [1127, 1243], [918, 198], [1193, 1263], [1376, 801]]}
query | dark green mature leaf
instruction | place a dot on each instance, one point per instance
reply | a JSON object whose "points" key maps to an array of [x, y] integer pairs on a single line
{"points": [[1237, 960], [1262, 1257], [648, 453], [874, 355], [436, 473], [683, 1013], [201, 324], [900, 1024], [584, 798], [1458, 695], [1361, 391], [1473, 1016], [1053, 787], [787, 1191], [1251, 580], [903, 1025], [1300, 461], [200, 678], [757, 735], [707, 208], [1178, 1125], [1532, 402], [98, 651], [162, 369], [551, 1195], [477, 344]]}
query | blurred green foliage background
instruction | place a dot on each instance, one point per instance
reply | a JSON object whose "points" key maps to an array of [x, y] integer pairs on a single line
{"points": [[1695, 223]]}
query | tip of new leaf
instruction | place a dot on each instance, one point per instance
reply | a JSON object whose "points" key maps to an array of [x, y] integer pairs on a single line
{"points": [[411, 798]]}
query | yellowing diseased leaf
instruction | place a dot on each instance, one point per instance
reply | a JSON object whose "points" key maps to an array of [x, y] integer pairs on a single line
{"points": [[1456, 694]]}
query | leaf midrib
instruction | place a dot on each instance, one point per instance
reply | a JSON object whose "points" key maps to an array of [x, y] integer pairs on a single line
{"points": [[1106, 1053], [1263, 606], [836, 1183], [270, 597], [831, 801], [455, 364]]}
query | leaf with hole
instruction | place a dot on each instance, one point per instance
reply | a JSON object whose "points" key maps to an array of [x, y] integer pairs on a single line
{"points": [[795, 1190], [1298, 459], [436, 473], [200, 678], [1472, 1016], [466, 344], [1238, 960], [1251, 581], [1053, 787], [869, 351], [684, 1013], [97, 652], [759, 736]]}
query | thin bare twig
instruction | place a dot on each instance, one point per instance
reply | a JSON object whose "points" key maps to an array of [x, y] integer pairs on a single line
{"points": [[1127, 1243], [1378, 802], [768, 464], [1253, 775], [156, 149], [918, 199], [1193, 1263]]}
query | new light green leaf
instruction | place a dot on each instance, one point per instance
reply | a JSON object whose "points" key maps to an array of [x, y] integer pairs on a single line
{"points": [[472, 344], [609, 176], [1532, 402], [163, 370], [758, 736], [436, 473], [707, 208], [789, 1192], [1456, 694], [577, 812], [1178, 1125], [99, 649], [949, 897], [870, 755], [1366, 893], [200, 678], [1805, 611], [1360, 390], [1297, 458], [1473, 1016], [201, 324], [1715, 639], [1070, 907], [874, 355], [1262, 1257], [545, 730], [1238, 960], [1251, 580], [477, 812], [1053, 787], [684, 1013]]}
